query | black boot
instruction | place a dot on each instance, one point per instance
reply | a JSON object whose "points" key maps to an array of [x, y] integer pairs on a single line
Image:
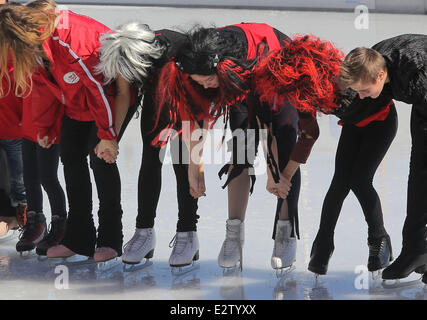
{"points": [[406, 263], [319, 257], [55, 235], [33, 232], [380, 253], [425, 278]]}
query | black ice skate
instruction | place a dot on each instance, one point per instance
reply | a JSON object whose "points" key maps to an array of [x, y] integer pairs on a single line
{"points": [[32, 233], [380, 255], [55, 235], [319, 259], [402, 267]]}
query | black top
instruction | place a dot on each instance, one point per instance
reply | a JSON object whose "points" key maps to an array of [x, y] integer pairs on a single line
{"points": [[406, 59], [173, 41], [352, 109]]}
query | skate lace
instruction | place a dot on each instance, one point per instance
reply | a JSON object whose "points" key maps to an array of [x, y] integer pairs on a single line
{"points": [[27, 230], [377, 249], [179, 243], [136, 242]]}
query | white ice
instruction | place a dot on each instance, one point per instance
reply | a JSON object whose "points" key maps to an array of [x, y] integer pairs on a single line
{"points": [[27, 278]]}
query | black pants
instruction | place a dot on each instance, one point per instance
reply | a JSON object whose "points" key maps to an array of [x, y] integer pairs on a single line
{"points": [[78, 140], [285, 132], [415, 227], [359, 153], [41, 169], [150, 180]]}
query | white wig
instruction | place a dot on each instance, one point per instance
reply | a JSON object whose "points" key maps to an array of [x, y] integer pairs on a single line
{"points": [[129, 51]]}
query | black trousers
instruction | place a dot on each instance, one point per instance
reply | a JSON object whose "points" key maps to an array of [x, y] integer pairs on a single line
{"points": [[284, 130], [150, 178], [415, 227], [359, 153], [78, 140], [41, 169]]}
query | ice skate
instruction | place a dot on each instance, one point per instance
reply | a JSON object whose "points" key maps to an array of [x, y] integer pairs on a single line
{"points": [[185, 252], [53, 237], [139, 250], [231, 253], [319, 259], [284, 251], [32, 233], [60, 254], [380, 255], [398, 273], [106, 258]]}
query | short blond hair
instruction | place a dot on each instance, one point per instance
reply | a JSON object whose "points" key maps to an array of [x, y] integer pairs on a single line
{"points": [[361, 65]]}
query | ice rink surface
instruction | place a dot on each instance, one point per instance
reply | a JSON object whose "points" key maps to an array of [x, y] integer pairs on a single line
{"points": [[28, 278]]}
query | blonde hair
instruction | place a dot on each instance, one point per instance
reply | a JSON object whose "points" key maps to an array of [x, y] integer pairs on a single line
{"points": [[361, 65], [23, 29], [130, 51]]}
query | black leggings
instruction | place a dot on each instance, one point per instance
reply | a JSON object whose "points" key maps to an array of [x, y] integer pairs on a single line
{"points": [[286, 136], [41, 169], [78, 140], [415, 227], [150, 182], [359, 153]]}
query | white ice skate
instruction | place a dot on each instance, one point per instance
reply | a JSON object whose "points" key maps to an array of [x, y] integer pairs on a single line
{"points": [[185, 251], [285, 248], [140, 246], [232, 248]]}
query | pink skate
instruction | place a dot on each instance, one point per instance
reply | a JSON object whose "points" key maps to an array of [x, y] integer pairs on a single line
{"points": [[60, 251]]}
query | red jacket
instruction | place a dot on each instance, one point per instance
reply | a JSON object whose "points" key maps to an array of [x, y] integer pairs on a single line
{"points": [[72, 51], [10, 112]]}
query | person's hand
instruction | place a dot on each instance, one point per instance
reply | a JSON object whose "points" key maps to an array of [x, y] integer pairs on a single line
{"points": [[283, 187], [44, 142], [108, 150], [196, 179], [271, 186]]}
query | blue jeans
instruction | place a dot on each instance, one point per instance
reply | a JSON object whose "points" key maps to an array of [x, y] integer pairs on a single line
{"points": [[13, 149]]}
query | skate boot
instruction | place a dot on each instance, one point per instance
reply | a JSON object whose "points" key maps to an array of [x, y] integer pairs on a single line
{"points": [[406, 263], [140, 246], [285, 248], [185, 250], [32, 233], [55, 235], [380, 254], [319, 258], [60, 254], [232, 248]]}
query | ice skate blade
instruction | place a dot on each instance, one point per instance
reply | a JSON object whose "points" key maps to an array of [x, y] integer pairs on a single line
{"points": [[232, 271], [26, 254], [399, 283], [107, 265], [283, 272], [42, 258], [376, 275], [132, 267], [182, 270], [74, 260]]}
